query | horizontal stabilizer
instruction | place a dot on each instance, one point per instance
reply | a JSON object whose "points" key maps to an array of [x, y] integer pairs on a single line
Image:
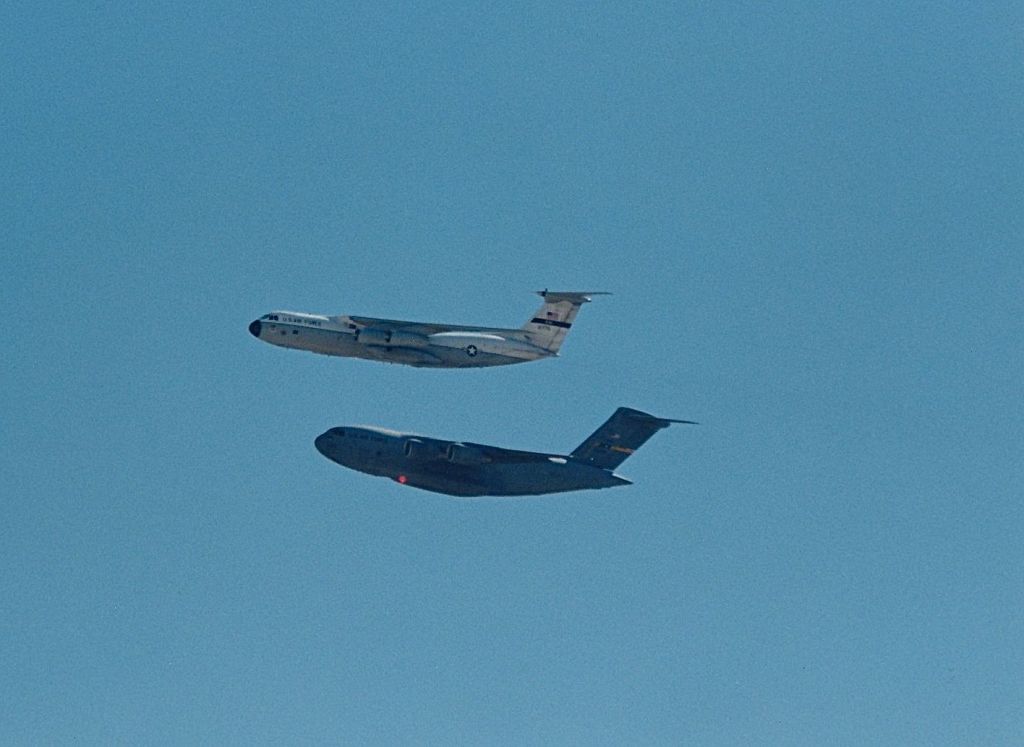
{"points": [[621, 435], [570, 296]]}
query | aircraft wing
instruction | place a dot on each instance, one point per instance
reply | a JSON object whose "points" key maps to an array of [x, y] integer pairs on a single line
{"points": [[422, 328], [510, 456]]}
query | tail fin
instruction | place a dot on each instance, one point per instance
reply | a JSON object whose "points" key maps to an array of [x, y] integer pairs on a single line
{"points": [[622, 434], [549, 326]]}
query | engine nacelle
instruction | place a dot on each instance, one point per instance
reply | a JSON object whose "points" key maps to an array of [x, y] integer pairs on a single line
{"points": [[462, 454], [414, 448], [390, 338]]}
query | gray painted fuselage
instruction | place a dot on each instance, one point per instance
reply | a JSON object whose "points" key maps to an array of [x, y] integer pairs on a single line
{"points": [[328, 336], [457, 468], [426, 344]]}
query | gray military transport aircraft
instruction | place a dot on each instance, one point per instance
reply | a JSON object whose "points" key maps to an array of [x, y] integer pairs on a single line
{"points": [[468, 469], [424, 344]]}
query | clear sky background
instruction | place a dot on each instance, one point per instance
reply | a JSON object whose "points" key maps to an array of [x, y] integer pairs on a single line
{"points": [[811, 218]]}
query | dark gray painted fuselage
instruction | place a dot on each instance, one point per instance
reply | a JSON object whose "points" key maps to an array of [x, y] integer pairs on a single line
{"points": [[459, 469]]}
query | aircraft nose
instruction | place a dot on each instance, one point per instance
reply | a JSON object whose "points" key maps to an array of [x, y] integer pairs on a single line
{"points": [[254, 328], [322, 442]]}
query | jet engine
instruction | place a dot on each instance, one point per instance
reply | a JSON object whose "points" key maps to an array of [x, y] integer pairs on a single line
{"points": [[462, 454], [390, 338], [414, 448]]}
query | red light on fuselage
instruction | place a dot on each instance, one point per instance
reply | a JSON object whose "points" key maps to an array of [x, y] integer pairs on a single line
{"points": [[403, 479]]}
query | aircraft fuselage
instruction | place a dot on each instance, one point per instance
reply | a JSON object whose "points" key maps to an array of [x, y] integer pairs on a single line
{"points": [[456, 468], [340, 336]]}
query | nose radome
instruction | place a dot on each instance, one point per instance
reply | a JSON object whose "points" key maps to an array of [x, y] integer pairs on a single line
{"points": [[254, 328], [322, 441]]}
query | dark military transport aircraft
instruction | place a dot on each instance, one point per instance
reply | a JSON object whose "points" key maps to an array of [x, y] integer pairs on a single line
{"points": [[468, 469]]}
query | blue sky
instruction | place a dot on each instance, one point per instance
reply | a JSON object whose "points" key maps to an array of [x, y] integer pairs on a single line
{"points": [[811, 220]]}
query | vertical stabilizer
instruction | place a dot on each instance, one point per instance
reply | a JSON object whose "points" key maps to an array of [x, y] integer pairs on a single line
{"points": [[622, 434], [548, 327]]}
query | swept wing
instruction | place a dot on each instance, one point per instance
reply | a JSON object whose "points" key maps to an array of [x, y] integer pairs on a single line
{"points": [[422, 328]]}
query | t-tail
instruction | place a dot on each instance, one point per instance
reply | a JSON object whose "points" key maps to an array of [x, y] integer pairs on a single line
{"points": [[548, 327], [622, 434]]}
